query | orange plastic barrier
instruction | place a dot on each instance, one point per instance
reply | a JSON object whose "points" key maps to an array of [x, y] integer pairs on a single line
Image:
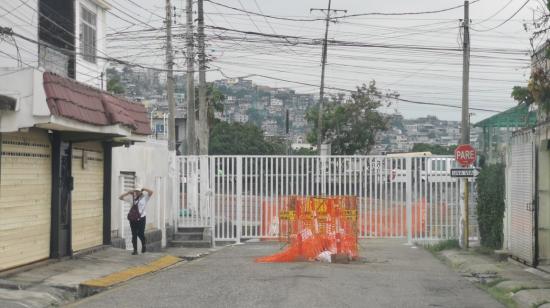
{"points": [[314, 225], [392, 221]]}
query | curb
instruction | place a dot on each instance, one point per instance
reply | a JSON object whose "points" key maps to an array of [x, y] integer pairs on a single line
{"points": [[93, 286], [506, 289]]}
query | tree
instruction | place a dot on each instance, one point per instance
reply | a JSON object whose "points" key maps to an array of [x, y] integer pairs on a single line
{"points": [[304, 152], [434, 149], [241, 139], [537, 90], [214, 99], [113, 82], [490, 205], [255, 116], [351, 125]]}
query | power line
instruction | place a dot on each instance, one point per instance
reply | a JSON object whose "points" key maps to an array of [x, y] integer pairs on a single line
{"points": [[141, 7], [505, 21], [9, 31], [338, 17], [378, 95], [496, 13], [315, 41]]}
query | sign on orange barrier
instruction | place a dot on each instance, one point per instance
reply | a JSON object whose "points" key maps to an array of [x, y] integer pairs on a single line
{"points": [[316, 225]]}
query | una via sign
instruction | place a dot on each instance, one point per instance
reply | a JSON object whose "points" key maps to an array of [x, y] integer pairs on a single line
{"points": [[464, 173]]}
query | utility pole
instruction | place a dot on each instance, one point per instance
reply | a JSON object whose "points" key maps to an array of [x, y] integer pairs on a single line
{"points": [[170, 80], [323, 66], [191, 112], [203, 104], [466, 113]]}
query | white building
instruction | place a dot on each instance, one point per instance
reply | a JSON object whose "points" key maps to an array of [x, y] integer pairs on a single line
{"points": [[69, 38]]}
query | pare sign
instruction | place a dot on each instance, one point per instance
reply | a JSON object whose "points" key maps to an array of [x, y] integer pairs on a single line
{"points": [[465, 155]]}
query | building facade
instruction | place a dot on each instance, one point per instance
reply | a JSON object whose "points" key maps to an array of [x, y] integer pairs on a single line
{"points": [[57, 131]]}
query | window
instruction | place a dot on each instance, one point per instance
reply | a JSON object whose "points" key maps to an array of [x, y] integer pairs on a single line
{"points": [[88, 34]]}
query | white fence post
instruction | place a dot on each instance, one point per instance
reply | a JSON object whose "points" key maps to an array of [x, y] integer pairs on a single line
{"points": [[157, 191], [212, 198], [239, 183], [174, 173], [121, 206], [408, 197], [204, 187], [163, 217]]}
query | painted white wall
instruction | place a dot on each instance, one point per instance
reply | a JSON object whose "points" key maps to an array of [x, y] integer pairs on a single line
{"points": [[26, 86], [150, 162]]}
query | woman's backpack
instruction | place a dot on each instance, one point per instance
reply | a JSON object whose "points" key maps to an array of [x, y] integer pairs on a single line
{"points": [[133, 214]]}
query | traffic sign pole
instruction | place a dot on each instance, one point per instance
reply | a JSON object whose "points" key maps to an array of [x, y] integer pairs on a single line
{"points": [[466, 214], [466, 155]]}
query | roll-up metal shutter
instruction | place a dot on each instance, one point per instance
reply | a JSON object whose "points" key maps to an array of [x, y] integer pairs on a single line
{"points": [[522, 206]]}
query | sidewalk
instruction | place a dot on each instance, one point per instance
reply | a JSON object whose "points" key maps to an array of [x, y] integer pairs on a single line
{"points": [[59, 283], [512, 283]]}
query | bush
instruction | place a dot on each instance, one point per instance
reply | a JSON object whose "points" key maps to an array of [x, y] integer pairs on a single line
{"points": [[490, 205]]}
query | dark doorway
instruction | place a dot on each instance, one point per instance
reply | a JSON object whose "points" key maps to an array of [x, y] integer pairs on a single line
{"points": [[62, 186], [56, 29]]}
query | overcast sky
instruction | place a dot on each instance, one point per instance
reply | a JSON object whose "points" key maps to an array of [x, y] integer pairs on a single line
{"points": [[435, 76]]}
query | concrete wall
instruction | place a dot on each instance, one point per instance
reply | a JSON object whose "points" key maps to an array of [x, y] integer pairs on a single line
{"points": [[150, 162], [26, 86]]}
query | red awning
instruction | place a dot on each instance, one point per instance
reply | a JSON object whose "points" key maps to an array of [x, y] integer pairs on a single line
{"points": [[70, 99]]}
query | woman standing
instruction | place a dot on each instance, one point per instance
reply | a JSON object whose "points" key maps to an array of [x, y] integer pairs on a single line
{"points": [[138, 198]]}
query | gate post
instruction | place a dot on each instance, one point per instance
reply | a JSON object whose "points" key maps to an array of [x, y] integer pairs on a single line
{"points": [[204, 188], [408, 197], [121, 206], [323, 159], [212, 198], [239, 180]]}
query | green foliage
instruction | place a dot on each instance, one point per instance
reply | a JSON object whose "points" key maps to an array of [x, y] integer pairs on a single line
{"points": [[443, 245], [434, 149], [113, 82], [351, 125], [214, 99], [255, 116], [522, 95], [114, 86], [304, 152], [490, 205], [241, 139]]}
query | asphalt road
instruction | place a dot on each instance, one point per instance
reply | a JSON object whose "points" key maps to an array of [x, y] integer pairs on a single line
{"points": [[393, 275]]}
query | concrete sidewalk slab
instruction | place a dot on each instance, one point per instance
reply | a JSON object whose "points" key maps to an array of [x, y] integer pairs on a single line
{"points": [[93, 286], [509, 280], [532, 298], [59, 283]]}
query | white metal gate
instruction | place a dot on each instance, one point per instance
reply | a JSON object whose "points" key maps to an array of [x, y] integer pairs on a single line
{"points": [[399, 197], [521, 165]]}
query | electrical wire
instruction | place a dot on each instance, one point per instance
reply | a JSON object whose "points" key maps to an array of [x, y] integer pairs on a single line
{"points": [[505, 21], [378, 95], [339, 17]]}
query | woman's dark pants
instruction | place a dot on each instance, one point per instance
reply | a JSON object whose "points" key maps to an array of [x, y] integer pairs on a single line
{"points": [[138, 230]]}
